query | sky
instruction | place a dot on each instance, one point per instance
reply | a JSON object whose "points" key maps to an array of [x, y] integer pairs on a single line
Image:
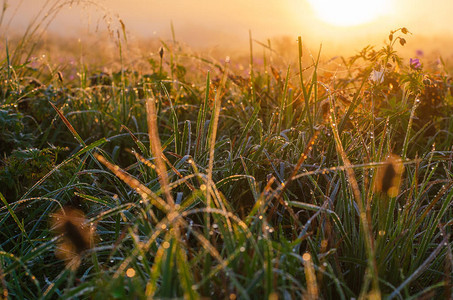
{"points": [[207, 23]]}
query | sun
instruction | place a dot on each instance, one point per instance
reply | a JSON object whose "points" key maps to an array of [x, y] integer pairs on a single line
{"points": [[349, 12]]}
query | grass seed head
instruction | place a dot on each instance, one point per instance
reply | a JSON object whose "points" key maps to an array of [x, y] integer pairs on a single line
{"points": [[388, 178], [77, 237]]}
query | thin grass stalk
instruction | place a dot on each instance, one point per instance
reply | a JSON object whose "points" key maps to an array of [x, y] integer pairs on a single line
{"points": [[15, 218], [378, 158], [2, 14], [280, 191], [304, 89], [358, 199], [123, 105], [428, 173], [310, 278], [201, 119], [409, 128], [268, 265], [283, 102], [314, 87], [48, 293], [213, 135], [448, 269], [356, 100], [252, 73], [419, 270], [173, 216], [373, 126], [4, 287], [174, 119], [156, 148], [8, 61], [266, 68]]}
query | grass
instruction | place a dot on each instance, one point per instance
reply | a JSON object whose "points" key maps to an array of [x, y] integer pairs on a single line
{"points": [[172, 182]]}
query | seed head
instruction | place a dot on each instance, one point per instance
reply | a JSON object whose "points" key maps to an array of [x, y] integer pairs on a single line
{"points": [[60, 76], [77, 237], [388, 178], [161, 52]]}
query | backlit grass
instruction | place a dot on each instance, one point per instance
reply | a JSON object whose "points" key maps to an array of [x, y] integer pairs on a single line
{"points": [[191, 177]]}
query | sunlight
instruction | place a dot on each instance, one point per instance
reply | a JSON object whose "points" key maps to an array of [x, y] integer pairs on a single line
{"points": [[349, 12]]}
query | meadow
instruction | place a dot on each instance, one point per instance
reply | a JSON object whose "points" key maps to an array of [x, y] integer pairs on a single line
{"points": [[173, 174]]}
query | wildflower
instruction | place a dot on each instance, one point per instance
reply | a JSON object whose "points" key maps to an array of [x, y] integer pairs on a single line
{"points": [[77, 237], [415, 63], [419, 53], [377, 76], [388, 177]]}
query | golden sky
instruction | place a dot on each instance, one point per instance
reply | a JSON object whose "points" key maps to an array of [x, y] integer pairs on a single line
{"points": [[217, 22]]}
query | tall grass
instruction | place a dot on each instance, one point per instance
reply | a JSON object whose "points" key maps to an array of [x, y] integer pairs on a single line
{"points": [[215, 184]]}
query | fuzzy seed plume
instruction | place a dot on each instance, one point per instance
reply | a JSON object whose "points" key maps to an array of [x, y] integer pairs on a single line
{"points": [[389, 176], [76, 236]]}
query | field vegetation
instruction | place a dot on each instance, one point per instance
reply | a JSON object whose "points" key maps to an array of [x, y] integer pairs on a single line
{"points": [[178, 175]]}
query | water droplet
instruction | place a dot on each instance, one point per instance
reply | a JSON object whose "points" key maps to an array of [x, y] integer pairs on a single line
{"points": [[130, 272]]}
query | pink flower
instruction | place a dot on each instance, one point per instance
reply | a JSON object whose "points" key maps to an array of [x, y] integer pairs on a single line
{"points": [[415, 63]]}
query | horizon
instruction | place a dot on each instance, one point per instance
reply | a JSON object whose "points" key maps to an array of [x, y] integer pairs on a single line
{"points": [[227, 26]]}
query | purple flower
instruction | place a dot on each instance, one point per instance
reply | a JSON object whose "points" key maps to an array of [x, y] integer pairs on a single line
{"points": [[419, 53], [415, 63]]}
